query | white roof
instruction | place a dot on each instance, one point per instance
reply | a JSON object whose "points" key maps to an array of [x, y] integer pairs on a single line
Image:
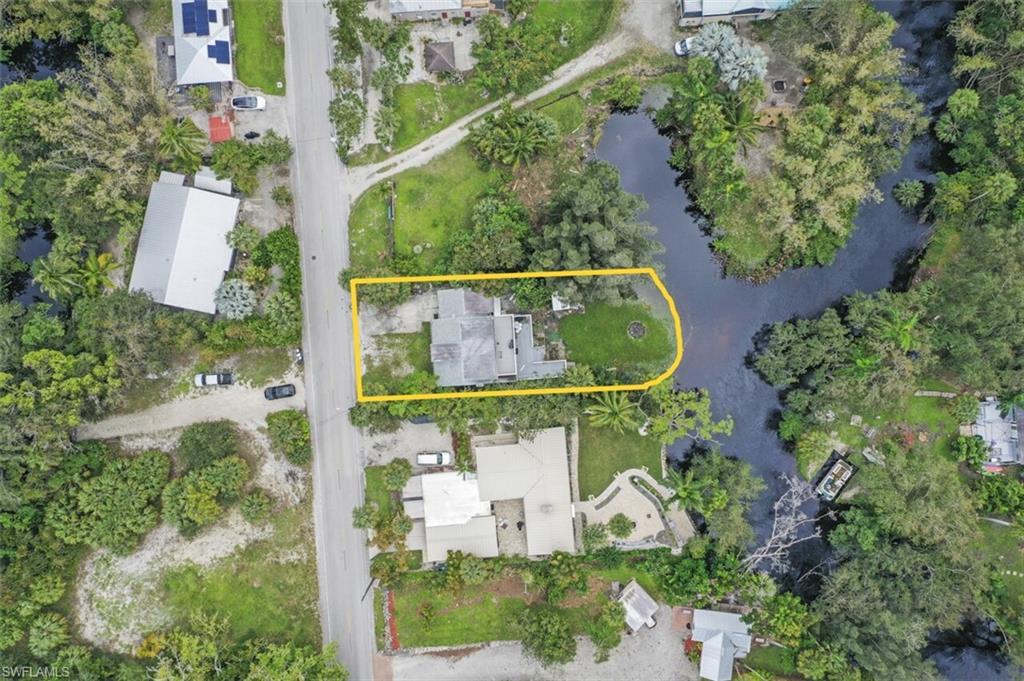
{"points": [[536, 471], [639, 606], [478, 536], [192, 51], [1002, 435], [719, 7], [207, 179], [725, 637], [448, 499], [183, 251], [404, 6]]}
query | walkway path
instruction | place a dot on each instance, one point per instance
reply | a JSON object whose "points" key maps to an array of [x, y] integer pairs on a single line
{"points": [[234, 403], [623, 496]]}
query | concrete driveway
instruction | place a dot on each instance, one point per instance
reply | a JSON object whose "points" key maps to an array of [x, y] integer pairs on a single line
{"points": [[650, 654], [243, 405]]}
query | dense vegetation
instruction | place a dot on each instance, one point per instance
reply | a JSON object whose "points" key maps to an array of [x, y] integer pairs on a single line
{"points": [[852, 125], [909, 558]]}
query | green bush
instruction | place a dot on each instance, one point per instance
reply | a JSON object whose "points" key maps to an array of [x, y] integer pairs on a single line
{"points": [[547, 635], [289, 435], [396, 473], [281, 248], [620, 525], [198, 498], [625, 93], [256, 506], [201, 444]]}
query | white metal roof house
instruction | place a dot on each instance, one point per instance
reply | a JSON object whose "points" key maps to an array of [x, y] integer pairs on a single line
{"points": [[472, 343], [183, 251], [697, 12], [432, 10], [1002, 434], [725, 638], [453, 512], [202, 41], [639, 606]]}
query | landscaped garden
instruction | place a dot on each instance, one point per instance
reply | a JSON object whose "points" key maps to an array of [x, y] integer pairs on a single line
{"points": [[259, 44], [603, 452]]}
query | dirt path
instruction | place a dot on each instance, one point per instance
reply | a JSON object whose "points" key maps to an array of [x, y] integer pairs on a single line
{"points": [[243, 405]]}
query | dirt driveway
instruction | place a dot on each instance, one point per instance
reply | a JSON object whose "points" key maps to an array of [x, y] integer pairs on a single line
{"points": [[237, 403], [404, 443]]}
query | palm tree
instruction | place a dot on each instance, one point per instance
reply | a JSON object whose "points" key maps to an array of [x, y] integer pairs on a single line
{"points": [[95, 273], [741, 121], [686, 492], [181, 142], [1010, 401], [56, 276], [613, 410], [897, 330]]}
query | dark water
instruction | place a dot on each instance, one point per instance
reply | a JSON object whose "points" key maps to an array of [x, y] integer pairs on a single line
{"points": [[722, 315], [35, 243], [37, 60]]}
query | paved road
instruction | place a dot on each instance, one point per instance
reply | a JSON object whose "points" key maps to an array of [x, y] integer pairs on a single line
{"points": [[234, 403], [320, 186]]}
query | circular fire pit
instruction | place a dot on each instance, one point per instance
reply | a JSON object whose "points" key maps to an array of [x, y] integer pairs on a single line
{"points": [[636, 330]]}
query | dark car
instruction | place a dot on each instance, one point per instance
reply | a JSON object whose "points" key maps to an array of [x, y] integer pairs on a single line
{"points": [[276, 392]]}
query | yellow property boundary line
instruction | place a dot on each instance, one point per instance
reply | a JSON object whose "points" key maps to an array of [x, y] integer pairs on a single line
{"points": [[356, 282]]}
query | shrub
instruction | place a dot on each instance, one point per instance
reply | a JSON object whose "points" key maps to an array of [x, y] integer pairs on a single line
{"points": [[198, 498], [200, 97], [385, 296], [546, 635], [396, 473], [281, 248], [282, 195], [620, 525], [595, 536], [965, 408], [514, 136], [201, 444], [738, 61], [289, 435], [48, 632], [244, 237], [256, 506], [235, 299], [971, 450], [908, 193], [274, 150], [606, 629], [625, 93]]}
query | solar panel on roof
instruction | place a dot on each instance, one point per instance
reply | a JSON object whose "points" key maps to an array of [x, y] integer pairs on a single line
{"points": [[213, 16], [202, 18], [188, 17], [220, 51]]}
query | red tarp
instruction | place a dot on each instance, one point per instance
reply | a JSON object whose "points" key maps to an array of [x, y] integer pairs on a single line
{"points": [[220, 129]]}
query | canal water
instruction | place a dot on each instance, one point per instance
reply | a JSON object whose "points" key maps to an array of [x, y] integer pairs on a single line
{"points": [[722, 315]]}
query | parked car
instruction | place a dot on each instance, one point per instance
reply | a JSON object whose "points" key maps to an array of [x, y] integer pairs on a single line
{"points": [[298, 355], [248, 103], [434, 458], [683, 47], [202, 380], [277, 392]]}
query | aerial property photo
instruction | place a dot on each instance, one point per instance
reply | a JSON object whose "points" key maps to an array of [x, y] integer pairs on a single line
{"points": [[512, 340]]}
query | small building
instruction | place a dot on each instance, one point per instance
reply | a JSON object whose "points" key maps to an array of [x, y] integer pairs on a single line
{"points": [[1002, 434], [440, 57], [202, 41], [452, 511], [833, 482], [639, 606], [183, 252], [697, 12], [432, 10], [472, 343], [724, 638]]}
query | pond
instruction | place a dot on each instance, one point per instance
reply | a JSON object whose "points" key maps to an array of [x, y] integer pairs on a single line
{"points": [[722, 315]]}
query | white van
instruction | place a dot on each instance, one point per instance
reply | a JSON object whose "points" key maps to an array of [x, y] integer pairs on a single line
{"points": [[434, 458]]}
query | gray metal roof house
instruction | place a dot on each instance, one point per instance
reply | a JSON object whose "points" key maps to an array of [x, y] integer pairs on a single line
{"points": [[202, 41], [639, 606], [453, 512], [697, 12], [725, 638], [183, 251], [1002, 434], [473, 343]]}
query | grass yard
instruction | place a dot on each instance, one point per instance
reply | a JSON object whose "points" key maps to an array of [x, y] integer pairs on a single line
{"points": [[598, 337], [398, 355], [779, 662], [375, 490], [603, 452], [268, 589], [568, 112], [587, 21], [259, 41], [1003, 549], [481, 613], [431, 200], [261, 365]]}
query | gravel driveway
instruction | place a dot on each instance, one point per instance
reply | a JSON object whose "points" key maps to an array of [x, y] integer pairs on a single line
{"points": [[236, 403], [650, 654]]}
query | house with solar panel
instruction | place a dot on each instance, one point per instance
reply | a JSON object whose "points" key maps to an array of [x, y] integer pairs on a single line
{"points": [[202, 41], [473, 343]]}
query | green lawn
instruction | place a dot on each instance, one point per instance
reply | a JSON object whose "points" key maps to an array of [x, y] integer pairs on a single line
{"points": [[400, 354], [587, 19], [603, 452], [598, 337], [375, 490], [773, 660], [431, 201], [259, 44], [263, 590], [1001, 546], [567, 112], [262, 365]]}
